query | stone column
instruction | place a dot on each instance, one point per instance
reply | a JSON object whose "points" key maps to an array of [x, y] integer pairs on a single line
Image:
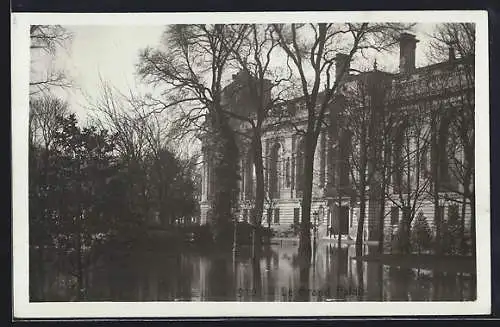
{"points": [[266, 165], [322, 163], [293, 173], [242, 180], [204, 179]]}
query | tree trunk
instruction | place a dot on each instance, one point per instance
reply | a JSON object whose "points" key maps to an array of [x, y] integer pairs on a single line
{"points": [[39, 275], [305, 226], [226, 179], [404, 235], [362, 191], [472, 201], [259, 190], [435, 190], [257, 279], [361, 222], [80, 294], [360, 276], [339, 211], [462, 224], [381, 219]]}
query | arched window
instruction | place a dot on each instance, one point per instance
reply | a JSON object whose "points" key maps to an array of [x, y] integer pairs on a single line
{"points": [[287, 172], [345, 144], [322, 164], [397, 162], [443, 161], [274, 171], [299, 180]]}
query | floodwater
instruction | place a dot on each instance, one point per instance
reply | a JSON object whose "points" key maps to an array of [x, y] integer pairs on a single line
{"points": [[276, 275]]}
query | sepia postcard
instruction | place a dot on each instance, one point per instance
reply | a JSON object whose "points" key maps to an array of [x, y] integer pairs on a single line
{"points": [[285, 164]]}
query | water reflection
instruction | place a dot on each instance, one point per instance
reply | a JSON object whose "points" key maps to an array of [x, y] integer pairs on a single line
{"points": [[277, 274]]}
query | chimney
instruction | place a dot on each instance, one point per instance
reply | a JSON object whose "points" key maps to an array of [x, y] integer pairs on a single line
{"points": [[451, 54], [342, 65], [407, 46]]}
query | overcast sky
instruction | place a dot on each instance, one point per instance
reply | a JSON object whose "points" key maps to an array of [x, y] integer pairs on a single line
{"points": [[112, 52]]}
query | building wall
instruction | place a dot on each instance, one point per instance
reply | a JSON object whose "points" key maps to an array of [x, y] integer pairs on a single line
{"points": [[413, 88]]}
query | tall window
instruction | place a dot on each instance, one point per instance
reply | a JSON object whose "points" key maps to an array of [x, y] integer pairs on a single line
{"points": [[299, 180], [332, 166], [397, 165], [394, 215], [274, 171], [248, 179], [296, 215], [277, 216], [344, 159], [287, 172], [322, 160], [245, 215], [453, 214], [424, 162], [443, 164], [269, 215], [406, 213], [440, 213]]}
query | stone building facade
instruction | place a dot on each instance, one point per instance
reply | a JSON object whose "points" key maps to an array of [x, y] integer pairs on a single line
{"points": [[372, 98]]}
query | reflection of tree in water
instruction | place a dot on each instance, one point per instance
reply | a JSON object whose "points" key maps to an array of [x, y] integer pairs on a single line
{"points": [[142, 276], [400, 279], [57, 282], [303, 261], [448, 286], [114, 277], [466, 289], [374, 278], [176, 277], [168, 275], [221, 279], [374, 283], [420, 288], [339, 284], [257, 278], [269, 276], [473, 288], [361, 281], [330, 277]]}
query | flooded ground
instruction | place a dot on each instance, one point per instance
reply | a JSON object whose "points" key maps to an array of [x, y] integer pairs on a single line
{"points": [[275, 275]]}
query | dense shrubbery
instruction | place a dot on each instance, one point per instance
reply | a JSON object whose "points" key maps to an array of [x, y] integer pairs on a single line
{"points": [[80, 184], [421, 234], [451, 233]]}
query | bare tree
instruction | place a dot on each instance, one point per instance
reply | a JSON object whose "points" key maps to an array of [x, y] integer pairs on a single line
{"points": [[454, 43], [116, 112], [319, 87], [410, 180], [460, 37], [364, 121], [258, 90], [45, 41], [191, 70], [142, 142], [44, 116]]}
